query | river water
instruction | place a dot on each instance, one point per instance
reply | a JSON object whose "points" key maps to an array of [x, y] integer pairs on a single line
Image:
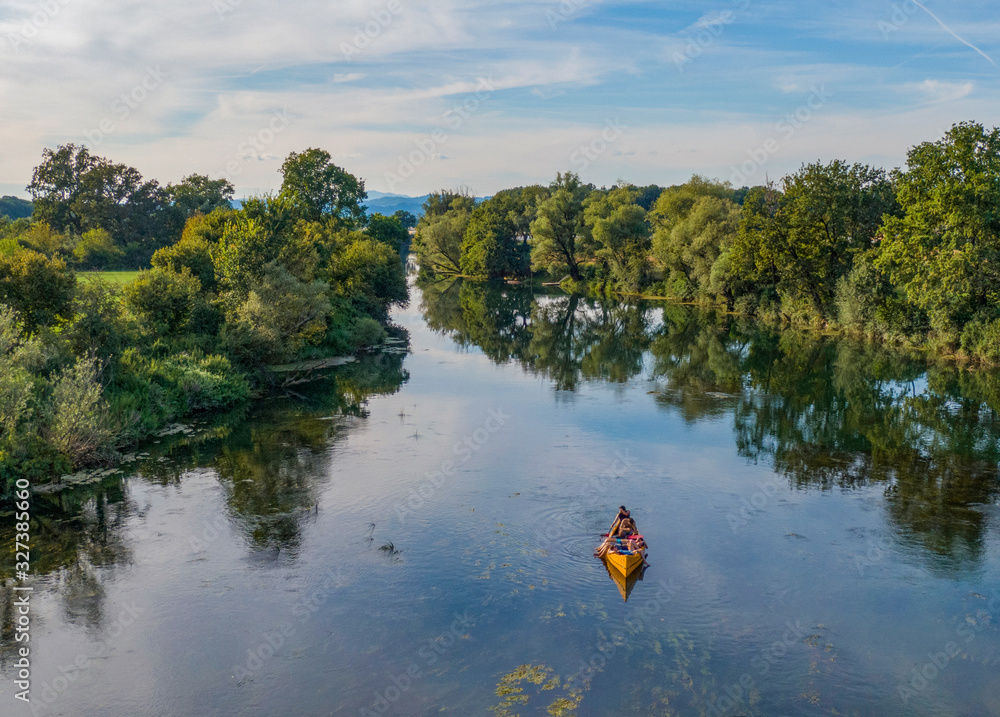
{"points": [[413, 535]]}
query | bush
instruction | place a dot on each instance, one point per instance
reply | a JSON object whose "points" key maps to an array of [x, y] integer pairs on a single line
{"points": [[194, 383], [80, 425], [366, 332], [163, 299], [99, 323], [17, 386], [205, 318], [981, 339], [39, 289], [96, 250], [280, 316], [192, 252]]}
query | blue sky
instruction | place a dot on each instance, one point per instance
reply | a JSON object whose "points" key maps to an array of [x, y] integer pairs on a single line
{"points": [[423, 94]]}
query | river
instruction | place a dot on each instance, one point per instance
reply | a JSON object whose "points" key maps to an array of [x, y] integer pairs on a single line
{"points": [[413, 535]]}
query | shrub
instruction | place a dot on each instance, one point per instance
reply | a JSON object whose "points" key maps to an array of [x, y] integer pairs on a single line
{"points": [[16, 384], [280, 315], [39, 289], [194, 383], [80, 425], [192, 252], [981, 339], [96, 250], [163, 298], [366, 332], [99, 323]]}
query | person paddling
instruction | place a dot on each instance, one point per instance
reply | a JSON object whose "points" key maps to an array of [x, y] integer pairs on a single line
{"points": [[603, 548]]}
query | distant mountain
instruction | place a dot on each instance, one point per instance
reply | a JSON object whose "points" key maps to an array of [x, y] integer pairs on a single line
{"points": [[381, 202], [389, 204], [15, 208]]}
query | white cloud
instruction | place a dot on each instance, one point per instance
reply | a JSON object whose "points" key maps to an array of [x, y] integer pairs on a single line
{"points": [[552, 87]]}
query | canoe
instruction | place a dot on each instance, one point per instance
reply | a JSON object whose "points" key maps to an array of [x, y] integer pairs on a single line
{"points": [[620, 557], [625, 561], [623, 583]]}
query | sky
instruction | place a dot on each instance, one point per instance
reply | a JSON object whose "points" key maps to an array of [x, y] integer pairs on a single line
{"points": [[418, 95]]}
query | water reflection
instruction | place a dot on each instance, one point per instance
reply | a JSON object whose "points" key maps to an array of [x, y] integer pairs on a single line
{"points": [[825, 412], [268, 460]]}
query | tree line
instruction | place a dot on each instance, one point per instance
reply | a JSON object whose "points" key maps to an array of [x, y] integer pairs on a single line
{"points": [[909, 256], [88, 367]]}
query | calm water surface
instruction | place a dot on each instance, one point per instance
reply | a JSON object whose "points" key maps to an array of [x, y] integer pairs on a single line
{"points": [[413, 536]]}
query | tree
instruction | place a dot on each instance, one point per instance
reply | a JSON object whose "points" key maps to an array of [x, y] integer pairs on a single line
{"points": [[490, 246], [695, 225], [370, 274], [74, 191], [39, 289], [193, 253], [674, 203], [558, 232], [318, 188], [441, 230], [620, 233], [245, 247], [197, 194], [407, 219], [279, 316], [944, 251], [388, 230], [623, 238], [443, 200], [805, 238]]}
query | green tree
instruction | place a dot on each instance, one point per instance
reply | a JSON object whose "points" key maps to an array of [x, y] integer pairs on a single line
{"points": [[193, 253], [74, 191], [407, 219], [388, 230], [943, 253], [690, 242], [318, 188], [280, 315], [245, 247], [369, 273], [441, 230], [803, 240], [39, 289], [197, 194], [490, 246], [41, 237], [675, 203], [559, 232], [621, 236]]}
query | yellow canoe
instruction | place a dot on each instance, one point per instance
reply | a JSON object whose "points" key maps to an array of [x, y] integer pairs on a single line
{"points": [[623, 583], [624, 563]]}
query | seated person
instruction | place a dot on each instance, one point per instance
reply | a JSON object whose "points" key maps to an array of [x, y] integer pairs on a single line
{"points": [[627, 527]]}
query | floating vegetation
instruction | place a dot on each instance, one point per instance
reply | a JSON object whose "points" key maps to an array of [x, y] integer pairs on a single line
{"points": [[512, 688], [390, 549]]}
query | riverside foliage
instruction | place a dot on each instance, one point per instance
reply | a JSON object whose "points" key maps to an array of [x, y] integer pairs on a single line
{"points": [[87, 367], [909, 256]]}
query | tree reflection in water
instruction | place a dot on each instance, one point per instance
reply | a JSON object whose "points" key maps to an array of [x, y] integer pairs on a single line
{"points": [[826, 412], [270, 461]]}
